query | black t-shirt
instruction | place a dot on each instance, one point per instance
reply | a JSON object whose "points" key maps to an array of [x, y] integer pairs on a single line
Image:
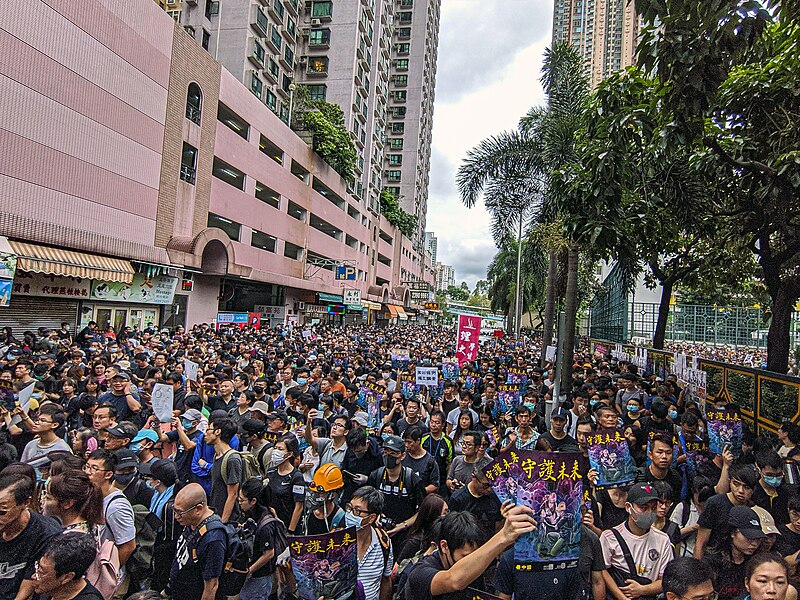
{"points": [[710, 470], [183, 458], [565, 444], [610, 515], [286, 490], [788, 541], [265, 538], [645, 475], [197, 559], [486, 508], [17, 556], [590, 559], [729, 577], [777, 506], [219, 488], [402, 497], [426, 467], [534, 585], [88, 593], [715, 516], [419, 581]]}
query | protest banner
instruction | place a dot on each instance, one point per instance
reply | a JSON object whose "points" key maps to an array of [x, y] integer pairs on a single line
{"points": [[519, 376], [369, 399], [325, 565], [408, 385], [339, 359], [508, 398], [469, 329], [163, 398], [428, 376], [503, 473], [190, 368], [550, 354], [479, 595], [449, 368], [472, 379], [724, 430], [610, 456], [552, 486], [400, 358], [7, 399]]}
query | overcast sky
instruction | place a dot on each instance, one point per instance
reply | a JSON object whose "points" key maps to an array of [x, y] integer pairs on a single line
{"points": [[490, 58]]}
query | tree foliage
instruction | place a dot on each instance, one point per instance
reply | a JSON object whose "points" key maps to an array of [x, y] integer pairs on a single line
{"points": [[390, 208]]}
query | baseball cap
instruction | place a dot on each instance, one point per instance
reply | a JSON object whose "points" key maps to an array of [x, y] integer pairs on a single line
{"points": [[162, 469], [766, 520], [122, 375], [260, 406], [146, 434], [746, 520], [361, 419], [559, 413], [126, 458], [278, 414], [252, 426], [192, 415], [394, 443], [124, 429], [642, 493]]}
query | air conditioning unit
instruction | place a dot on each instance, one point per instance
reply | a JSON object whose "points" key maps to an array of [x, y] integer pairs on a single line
{"points": [[191, 2], [316, 22], [306, 31], [303, 60]]}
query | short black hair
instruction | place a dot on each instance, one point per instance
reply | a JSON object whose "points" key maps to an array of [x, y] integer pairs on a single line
{"points": [[112, 410], [109, 459], [744, 473], [73, 553], [372, 497], [661, 437], [683, 573], [769, 458], [414, 432], [227, 428], [356, 438], [437, 413], [21, 487], [459, 529], [475, 436]]}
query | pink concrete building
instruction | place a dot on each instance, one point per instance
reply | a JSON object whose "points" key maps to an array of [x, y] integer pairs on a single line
{"points": [[141, 182]]}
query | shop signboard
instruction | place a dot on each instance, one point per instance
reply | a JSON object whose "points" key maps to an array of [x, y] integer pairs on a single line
{"points": [[144, 290], [51, 286]]}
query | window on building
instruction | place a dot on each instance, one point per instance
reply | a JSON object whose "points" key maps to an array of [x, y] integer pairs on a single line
{"points": [[396, 143], [273, 69], [288, 54], [227, 173], [317, 65], [206, 40], [401, 80], [405, 17], [276, 4], [188, 163], [232, 228], [395, 159], [194, 103], [275, 36], [317, 91], [259, 55], [291, 26], [398, 128], [398, 112], [283, 113], [401, 64], [393, 176], [319, 37], [292, 251], [404, 33], [296, 211], [270, 149], [236, 123], [287, 81], [322, 10], [263, 241], [400, 95], [267, 195], [256, 85], [271, 100]]}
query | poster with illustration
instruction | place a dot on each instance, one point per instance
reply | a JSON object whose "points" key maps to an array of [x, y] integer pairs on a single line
{"points": [[503, 473], [724, 430], [369, 399], [472, 379], [479, 595], [339, 358], [400, 358], [325, 565], [696, 451], [551, 484], [519, 376], [8, 399], [508, 398], [610, 456], [408, 385], [449, 368]]}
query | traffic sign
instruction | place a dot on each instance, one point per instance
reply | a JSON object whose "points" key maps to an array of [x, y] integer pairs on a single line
{"points": [[345, 273]]}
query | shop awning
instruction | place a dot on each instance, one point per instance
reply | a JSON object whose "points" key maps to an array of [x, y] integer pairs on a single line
{"points": [[370, 305], [392, 310], [401, 314], [53, 261]]}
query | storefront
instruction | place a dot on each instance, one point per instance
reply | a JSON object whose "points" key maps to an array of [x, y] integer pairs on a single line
{"points": [[138, 304]]}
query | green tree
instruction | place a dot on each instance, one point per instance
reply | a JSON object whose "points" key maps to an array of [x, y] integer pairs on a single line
{"points": [[481, 287], [390, 208], [458, 294]]}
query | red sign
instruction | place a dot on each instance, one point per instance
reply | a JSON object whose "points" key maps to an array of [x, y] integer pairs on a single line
{"points": [[469, 330], [498, 333], [255, 320]]}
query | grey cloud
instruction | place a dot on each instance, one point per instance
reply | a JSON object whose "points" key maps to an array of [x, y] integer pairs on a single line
{"points": [[481, 38], [443, 174], [469, 258]]}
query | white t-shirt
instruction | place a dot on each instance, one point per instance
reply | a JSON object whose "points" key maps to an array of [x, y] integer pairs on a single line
{"points": [[651, 552], [452, 417], [686, 547]]}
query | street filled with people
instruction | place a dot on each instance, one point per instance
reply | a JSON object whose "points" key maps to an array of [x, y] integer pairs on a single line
{"points": [[263, 463]]}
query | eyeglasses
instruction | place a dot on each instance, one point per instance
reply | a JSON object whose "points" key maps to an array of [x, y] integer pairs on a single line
{"points": [[467, 444], [180, 513], [359, 512], [94, 469], [42, 421], [338, 425]]}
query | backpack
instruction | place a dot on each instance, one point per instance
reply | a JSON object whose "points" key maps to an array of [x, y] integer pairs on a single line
{"points": [[250, 465], [401, 573], [237, 560], [104, 571], [140, 563], [281, 539]]}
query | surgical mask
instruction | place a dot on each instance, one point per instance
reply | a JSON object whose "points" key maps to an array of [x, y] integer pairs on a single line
{"points": [[390, 461], [644, 520], [593, 402], [187, 424], [385, 436], [258, 390], [302, 381], [350, 520], [773, 481], [386, 375], [135, 448], [632, 408], [124, 479], [673, 414], [148, 484], [278, 456]]}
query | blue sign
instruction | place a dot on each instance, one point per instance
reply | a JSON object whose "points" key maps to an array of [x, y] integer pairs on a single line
{"points": [[345, 273], [232, 318]]}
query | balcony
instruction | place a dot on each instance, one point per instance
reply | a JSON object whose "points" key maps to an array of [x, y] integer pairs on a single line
{"points": [[317, 66]]}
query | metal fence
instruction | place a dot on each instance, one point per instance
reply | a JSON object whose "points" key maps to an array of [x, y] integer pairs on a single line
{"points": [[766, 399], [620, 321]]}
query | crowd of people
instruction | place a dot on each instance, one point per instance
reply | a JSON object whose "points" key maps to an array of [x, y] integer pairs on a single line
{"points": [[268, 439]]}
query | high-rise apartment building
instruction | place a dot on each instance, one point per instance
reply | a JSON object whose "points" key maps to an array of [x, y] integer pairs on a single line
{"points": [[603, 31], [432, 245], [445, 277]]}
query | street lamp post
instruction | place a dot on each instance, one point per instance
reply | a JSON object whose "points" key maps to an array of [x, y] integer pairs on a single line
{"points": [[518, 307], [292, 88]]}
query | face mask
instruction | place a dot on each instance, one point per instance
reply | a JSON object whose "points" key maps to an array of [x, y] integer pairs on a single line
{"points": [[385, 436], [187, 424], [124, 479], [390, 461], [258, 390], [773, 481], [301, 381], [385, 375], [593, 402], [673, 414], [350, 520], [278, 456], [631, 408], [644, 520], [135, 448], [148, 484]]}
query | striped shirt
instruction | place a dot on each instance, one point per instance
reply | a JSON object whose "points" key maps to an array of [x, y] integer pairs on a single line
{"points": [[372, 568]]}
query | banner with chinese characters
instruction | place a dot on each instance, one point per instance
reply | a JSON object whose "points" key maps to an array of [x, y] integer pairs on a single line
{"points": [[551, 484], [369, 398], [144, 289], [449, 368], [326, 565], [408, 385], [339, 358], [400, 358], [469, 329], [472, 379], [51, 286], [724, 430], [610, 456], [508, 398]]}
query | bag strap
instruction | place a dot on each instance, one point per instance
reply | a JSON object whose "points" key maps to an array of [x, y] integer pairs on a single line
{"points": [[626, 552]]}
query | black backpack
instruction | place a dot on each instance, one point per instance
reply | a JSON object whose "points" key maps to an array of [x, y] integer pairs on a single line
{"points": [[237, 560]]}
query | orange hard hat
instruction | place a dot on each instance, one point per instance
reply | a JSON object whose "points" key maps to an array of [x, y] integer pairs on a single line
{"points": [[328, 478]]}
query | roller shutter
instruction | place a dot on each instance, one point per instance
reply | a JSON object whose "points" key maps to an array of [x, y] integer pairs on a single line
{"points": [[28, 313]]}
